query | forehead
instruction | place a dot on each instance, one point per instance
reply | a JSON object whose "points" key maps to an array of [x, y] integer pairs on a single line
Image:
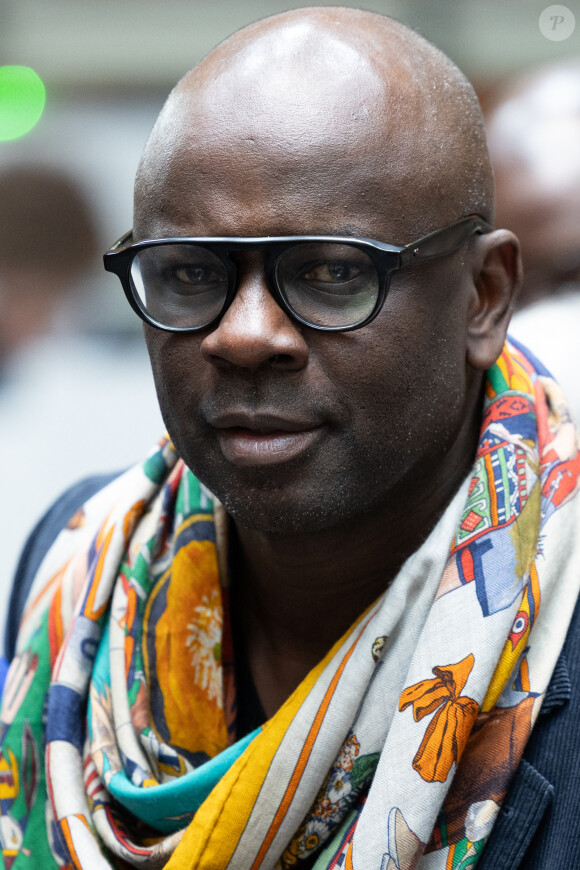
{"points": [[296, 146], [264, 183]]}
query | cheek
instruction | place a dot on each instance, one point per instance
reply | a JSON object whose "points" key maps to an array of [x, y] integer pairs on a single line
{"points": [[176, 372], [413, 385]]}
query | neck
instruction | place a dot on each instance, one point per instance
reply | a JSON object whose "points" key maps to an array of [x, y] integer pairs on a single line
{"points": [[299, 594]]}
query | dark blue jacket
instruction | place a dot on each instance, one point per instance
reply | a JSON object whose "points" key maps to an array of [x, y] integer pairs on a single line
{"points": [[539, 823]]}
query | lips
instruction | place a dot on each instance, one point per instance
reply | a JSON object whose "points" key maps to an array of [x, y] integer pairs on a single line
{"points": [[263, 439]]}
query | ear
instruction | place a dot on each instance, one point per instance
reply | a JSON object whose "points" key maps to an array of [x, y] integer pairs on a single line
{"points": [[497, 278]]}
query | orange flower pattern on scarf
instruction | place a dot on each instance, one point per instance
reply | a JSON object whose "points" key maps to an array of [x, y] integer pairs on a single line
{"points": [[451, 725]]}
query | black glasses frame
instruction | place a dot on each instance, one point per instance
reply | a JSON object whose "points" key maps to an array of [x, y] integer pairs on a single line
{"points": [[387, 259]]}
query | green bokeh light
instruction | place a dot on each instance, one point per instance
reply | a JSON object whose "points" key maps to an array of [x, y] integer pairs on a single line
{"points": [[22, 99]]}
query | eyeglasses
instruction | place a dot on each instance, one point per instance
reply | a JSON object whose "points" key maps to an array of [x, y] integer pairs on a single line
{"points": [[331, 283]]}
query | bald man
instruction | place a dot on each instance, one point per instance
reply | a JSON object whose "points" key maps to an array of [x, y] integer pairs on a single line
{"points": [[534, 136], [316, 626]]}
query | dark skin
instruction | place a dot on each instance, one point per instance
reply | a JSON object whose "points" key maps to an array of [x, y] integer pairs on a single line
{"points": [[389, 414]]}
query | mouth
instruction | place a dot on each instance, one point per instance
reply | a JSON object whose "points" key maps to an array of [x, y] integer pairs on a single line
{"points": [[263, 439]]}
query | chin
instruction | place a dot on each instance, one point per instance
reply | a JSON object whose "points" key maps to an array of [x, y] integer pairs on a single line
{"points": [[305, 496], [291, 510], [279, 520]]}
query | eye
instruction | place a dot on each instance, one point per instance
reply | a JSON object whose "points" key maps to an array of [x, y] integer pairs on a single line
{"points": [[180, 269], [328, 283], [519, 628], [332, 272], [188, 279], [195, 275]]}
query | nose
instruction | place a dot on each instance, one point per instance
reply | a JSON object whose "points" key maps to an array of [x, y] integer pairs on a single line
{"points": [[255, 331]]}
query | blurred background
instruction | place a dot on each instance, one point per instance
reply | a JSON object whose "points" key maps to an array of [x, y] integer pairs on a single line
{"points": [[76, 395]]}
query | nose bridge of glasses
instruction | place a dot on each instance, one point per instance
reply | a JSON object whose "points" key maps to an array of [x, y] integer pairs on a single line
{"points": [[255, 326], [250, 264]]}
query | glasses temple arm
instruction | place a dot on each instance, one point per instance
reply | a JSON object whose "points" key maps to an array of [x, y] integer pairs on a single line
{"points": [[121, 243], [445, 241]]}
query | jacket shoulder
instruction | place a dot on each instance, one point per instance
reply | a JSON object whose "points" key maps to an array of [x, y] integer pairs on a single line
{"points": [[538, 827]]}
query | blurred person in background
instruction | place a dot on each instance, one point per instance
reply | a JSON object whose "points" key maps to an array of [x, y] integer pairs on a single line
{"points": [[64, 391], [47, 243], [534, 141]]}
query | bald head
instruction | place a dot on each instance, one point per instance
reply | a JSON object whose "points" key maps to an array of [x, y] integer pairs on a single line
{"points": [[319, 103]]}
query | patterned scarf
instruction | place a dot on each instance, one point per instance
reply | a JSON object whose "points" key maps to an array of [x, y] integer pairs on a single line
{"points": [[118, 724]]}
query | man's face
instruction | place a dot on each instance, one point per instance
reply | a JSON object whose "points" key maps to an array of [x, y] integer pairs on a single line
{"points": [[293, 429]]}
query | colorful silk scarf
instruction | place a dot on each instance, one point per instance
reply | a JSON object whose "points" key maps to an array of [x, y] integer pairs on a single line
{"points": [[118, 721]]}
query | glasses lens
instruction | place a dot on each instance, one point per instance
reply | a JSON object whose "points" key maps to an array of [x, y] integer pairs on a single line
{"points": [[328, 284], [180, 285]]}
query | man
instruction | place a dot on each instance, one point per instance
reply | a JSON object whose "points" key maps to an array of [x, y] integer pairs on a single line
{"points": [[534, 137], [340, 662]]}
